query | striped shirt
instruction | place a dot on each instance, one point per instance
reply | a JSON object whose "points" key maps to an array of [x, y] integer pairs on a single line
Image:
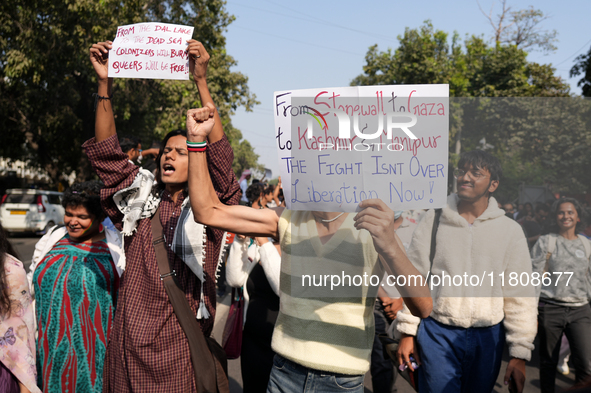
{"points": [[321, 325]]}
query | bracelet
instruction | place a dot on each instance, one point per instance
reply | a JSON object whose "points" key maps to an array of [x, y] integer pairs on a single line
{"points": [[196, 149], [97, 98], [196, 144]]}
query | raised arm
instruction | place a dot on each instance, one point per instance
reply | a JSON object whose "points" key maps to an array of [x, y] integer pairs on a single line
{"points": [[205, 203], [104, 121], [103, 151], [220, 155], [198, 61], [276, 192], [377, 218]]}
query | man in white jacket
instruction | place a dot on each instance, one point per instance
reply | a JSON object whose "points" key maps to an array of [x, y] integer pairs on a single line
{"points": [[478, 305]]}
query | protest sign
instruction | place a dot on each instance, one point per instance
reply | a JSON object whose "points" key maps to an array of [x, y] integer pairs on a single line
{"points": [[150, 51], [339, 146]]}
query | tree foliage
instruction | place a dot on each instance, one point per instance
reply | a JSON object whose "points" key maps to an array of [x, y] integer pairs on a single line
{"points": [[539, 140], [533, 150], [521, 28], [474, 69], [583, 67], [46, 80]]}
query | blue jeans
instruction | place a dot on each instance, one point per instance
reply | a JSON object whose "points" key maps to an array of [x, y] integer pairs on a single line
{"points": [[456, 359], [287, 376]]}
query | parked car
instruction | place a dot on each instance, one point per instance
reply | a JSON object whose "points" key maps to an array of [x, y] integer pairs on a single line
{"points": [[36, 211]]}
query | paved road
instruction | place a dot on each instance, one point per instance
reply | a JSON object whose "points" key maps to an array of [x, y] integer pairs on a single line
{"points": [[25, 246], [532, 371]]}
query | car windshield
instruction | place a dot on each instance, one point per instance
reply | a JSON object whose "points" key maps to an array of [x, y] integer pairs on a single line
{"points": [[20, 198]]}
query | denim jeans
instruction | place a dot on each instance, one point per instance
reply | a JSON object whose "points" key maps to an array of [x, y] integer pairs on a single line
{"points": [[287, 377], [575, 322], [456, 359]]}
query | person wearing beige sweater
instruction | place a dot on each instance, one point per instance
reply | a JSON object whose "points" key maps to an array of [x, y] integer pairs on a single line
{"points": [[460, 345]]}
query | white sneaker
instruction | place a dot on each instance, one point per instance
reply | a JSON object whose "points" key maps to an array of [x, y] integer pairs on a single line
{"points": [[563, 368]]}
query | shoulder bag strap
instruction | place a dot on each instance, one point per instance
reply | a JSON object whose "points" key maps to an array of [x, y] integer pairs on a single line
{"points": [[551, 247], [203, 362], [434, 236]]}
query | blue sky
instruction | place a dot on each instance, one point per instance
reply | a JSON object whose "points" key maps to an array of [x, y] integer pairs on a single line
{"points": [[309, 44]]}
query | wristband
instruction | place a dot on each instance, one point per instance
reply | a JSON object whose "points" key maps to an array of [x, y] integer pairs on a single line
{"points": [[196, 144], [196, 149], [97, 98]]}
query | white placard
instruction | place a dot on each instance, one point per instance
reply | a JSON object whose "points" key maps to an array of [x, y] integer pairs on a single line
{"points": [[150, 50], [339, 146]]}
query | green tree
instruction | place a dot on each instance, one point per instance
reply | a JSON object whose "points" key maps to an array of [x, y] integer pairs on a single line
{"points": [[476, 69], [46, 81], [244, 156], [424, 56], [583, 67], [539, 140]]}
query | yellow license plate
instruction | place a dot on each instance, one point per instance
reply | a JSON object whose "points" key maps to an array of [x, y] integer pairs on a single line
{"points": [[18, 212]]}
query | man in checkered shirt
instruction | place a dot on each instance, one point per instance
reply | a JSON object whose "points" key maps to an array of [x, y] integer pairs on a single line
{"points": [[148, 350]]}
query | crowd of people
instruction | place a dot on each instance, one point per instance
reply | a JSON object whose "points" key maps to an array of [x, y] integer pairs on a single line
{"points": [[94, 314]]}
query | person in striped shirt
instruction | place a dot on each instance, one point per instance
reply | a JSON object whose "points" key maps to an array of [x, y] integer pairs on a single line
{"points": [[323, 337]]}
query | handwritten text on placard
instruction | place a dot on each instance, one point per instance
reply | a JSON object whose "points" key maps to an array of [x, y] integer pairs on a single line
{"points": [[150, 51], [340, 146]]}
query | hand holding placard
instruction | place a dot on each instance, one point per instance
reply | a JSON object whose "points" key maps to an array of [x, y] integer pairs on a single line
{"points": [[99, 57], [198, 59]]}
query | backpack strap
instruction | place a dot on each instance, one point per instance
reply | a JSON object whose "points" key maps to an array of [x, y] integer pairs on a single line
{"points": [[586, 245]]}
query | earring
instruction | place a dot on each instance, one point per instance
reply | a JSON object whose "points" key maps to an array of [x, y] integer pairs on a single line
{"points": [[101, 228]]}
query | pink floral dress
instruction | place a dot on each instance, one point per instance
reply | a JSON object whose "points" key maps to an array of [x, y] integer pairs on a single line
{"points": [[17, 329]]}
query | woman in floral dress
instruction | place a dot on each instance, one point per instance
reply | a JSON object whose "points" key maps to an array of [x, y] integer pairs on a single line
{"points": [[17, 327]]}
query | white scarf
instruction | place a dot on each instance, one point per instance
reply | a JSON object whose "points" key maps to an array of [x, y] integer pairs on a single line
{"points": [[137, 202]]}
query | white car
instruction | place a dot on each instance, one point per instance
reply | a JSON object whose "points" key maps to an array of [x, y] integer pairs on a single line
{"points": [[36, 211]]}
